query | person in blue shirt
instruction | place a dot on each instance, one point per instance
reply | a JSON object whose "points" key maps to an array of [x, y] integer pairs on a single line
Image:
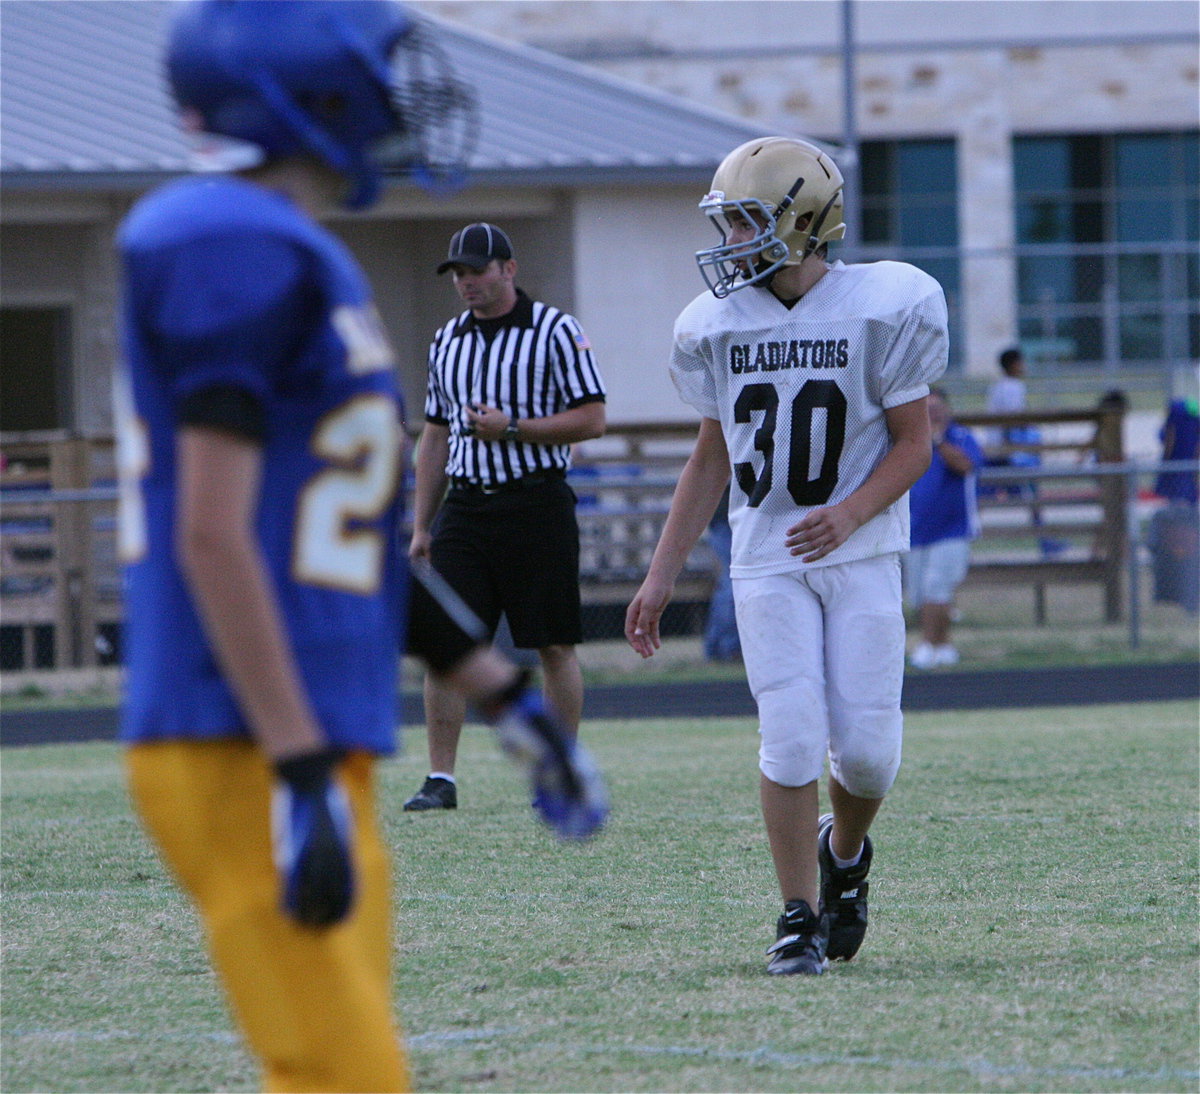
{"points": [[1180, 436], [721, 639], [261, 453], [944, 519], [1173, 535]]}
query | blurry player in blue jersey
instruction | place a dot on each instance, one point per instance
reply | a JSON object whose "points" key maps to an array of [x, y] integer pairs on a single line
{"points": [[811, 378], [261, 452], [945, 519]]}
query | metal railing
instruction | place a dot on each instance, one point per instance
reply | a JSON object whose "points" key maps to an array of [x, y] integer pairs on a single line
{"points": [[1128, 476], [86, 584]]}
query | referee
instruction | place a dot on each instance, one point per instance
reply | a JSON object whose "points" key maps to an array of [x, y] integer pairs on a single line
{"points": [[513, 384]]}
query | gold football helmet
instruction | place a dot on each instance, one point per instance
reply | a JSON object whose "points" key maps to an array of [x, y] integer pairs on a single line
{"points": [[790, 190]]}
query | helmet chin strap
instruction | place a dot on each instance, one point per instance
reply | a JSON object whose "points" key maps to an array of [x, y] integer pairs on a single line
{"points": [[770, 282], [814, 235]]}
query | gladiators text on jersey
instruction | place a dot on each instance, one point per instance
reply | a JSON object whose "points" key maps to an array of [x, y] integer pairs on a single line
{"points": [[794, 353]]}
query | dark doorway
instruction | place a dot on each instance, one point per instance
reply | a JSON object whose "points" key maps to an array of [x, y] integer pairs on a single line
{"points": [[35, 370]]}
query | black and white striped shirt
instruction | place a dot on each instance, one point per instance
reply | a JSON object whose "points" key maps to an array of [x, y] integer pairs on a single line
{"points": [[533, 362]]}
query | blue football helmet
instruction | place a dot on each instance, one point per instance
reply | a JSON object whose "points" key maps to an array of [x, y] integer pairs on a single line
{"points": [[361, 84]]}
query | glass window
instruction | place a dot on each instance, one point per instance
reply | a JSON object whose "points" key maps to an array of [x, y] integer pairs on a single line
{"points": [[1188, 158], [35, 348], [1044, 221], [876, 224], [1142, 218], [1041, 163], [1110, 204], [876, 161], [910, 212], [1143, 161], [1045, 279], [1087, 222], [1067, 341], [1142, 337], [1091, 274], [1191, 219], [910, 193], [1087, 162], [928, 226], [943, 270], [926, 167], [1139, 277]]}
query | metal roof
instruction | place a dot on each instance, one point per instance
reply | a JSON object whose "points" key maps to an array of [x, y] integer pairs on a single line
{"points": [[83, 103]]}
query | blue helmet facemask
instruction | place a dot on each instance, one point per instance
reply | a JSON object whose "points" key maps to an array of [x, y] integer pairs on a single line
{"points": [[360, 84]]}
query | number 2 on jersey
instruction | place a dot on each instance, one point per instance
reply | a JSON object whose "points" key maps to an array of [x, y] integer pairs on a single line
{"points": [[362, 443], [814, 396], [133, 462]]}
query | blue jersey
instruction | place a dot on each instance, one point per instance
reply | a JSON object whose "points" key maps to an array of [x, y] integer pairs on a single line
{"points": [[1180, 435], [941, 503], [229, 285]]}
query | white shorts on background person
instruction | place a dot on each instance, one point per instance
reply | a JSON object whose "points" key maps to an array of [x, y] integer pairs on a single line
{"points": [[933, 573], [824, 655]]}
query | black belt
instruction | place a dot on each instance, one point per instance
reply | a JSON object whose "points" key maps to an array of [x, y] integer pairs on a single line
{"points": [[536, 478]]}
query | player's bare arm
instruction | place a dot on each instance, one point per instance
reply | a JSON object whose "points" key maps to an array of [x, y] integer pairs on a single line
{"points": [[219, 476], [824, 530], [700, 487], [579, 423], [433, 449]]}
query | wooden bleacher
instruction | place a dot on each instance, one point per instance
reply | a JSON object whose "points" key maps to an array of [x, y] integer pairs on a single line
{"points": [[60, 601], [1069, 530], [625, 482], [60, 587]]}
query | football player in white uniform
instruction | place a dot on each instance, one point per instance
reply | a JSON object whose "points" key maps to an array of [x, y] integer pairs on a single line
{"points": [[811, 378]]}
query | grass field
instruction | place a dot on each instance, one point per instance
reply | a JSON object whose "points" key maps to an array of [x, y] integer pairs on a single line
{"points": [[1034, 923]]}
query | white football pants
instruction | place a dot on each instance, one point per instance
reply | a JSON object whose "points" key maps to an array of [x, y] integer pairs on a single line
{"points": [[824, 654]]}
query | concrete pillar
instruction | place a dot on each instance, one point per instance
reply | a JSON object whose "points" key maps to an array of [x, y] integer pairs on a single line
{"points": [[987, 232]]}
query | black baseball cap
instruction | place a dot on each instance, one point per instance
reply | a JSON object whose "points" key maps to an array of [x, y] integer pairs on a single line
{"points": [[476, 245]]}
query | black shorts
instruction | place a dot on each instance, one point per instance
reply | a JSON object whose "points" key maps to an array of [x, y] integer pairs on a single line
{"points": [[514, 553], [436, 632]]}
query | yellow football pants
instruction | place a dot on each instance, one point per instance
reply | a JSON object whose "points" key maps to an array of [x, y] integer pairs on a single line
{"points": [[314, 1006]]}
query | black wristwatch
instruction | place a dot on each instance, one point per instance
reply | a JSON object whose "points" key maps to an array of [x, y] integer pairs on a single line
{"points": [[511, 430]]}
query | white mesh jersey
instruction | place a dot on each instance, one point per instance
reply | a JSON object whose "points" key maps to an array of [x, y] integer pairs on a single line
{"points": [[800, 394]]}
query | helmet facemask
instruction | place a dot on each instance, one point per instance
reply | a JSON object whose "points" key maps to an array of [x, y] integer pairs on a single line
{"points": [[360, 84], [438, 118], [425, 123], [732, 266]]}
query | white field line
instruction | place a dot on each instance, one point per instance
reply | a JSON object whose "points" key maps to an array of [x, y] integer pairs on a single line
{"points": [[975, 1066]]}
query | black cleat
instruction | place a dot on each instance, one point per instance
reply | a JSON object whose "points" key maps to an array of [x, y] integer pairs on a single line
{"points": [[434, 794], [843, 895], [801, 937]]}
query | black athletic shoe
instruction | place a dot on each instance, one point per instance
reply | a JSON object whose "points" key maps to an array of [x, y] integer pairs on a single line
{"points": [[801, 937], [434, 794], [843, 895]]}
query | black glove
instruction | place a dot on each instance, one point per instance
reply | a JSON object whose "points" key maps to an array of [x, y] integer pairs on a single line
{"points": [[314, 834]]}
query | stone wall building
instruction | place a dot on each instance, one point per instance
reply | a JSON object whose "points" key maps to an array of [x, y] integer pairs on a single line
{"points": [[1039, 156]]}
